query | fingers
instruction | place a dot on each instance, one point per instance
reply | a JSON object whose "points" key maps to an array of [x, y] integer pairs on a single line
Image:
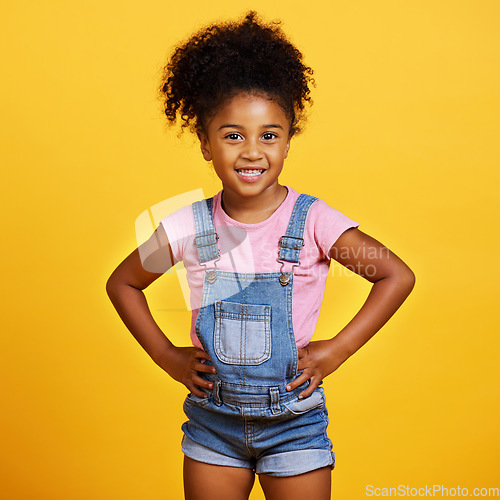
{"points": [[302, 364], [197, 392], [310, 388], [196, 381], [199, 353], [303, 356], [201, 382], [301, 379], [195, 385], [203, 367], [309, 373], [301, 353]]}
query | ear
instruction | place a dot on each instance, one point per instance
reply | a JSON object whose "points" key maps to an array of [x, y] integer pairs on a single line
{"points": [[204, 146], [287, 147]]}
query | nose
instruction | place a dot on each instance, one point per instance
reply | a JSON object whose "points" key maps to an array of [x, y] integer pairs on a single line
{"points": [[251, 150]]}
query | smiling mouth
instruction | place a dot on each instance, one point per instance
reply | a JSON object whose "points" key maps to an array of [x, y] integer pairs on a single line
{"points": [[250, 172]]}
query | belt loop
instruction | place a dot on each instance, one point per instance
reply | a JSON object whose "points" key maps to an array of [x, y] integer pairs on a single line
{"points": [[217, 398], [275, 399]]}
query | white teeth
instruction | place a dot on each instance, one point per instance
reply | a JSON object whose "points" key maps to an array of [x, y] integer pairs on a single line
{"points": [[250, 173]]}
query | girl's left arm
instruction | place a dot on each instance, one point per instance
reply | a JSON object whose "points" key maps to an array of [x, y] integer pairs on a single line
{"points": [[392, 282]]}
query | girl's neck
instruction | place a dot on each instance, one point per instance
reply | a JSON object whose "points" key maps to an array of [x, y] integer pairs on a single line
{"points": [[253, 209]]}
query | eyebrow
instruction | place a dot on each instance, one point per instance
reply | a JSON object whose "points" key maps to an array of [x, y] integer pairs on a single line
{"points": [[233, 125]]}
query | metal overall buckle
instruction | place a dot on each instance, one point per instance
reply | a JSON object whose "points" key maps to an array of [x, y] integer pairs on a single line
{"points": [[211, 274], [284, 279]]}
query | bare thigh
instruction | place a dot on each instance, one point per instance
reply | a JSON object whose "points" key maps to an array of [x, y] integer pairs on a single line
{"points": [[314, 485], [202, 481]]}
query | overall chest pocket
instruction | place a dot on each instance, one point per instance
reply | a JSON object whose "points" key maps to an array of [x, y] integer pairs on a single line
{"points": [[242, 333]]}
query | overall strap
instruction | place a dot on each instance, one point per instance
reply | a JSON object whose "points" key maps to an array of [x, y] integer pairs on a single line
{"points": [[205, 237], [293, 240]]}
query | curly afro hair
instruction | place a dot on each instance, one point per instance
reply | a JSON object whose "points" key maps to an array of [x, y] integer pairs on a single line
{"points": [[222, 60]]}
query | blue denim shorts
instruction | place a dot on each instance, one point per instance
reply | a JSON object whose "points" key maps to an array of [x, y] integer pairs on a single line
{"points": [[285, 443]]}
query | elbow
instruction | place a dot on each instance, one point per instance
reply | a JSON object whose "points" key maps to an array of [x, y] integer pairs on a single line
{"points": [[112, 286], [406, 279], [401, 278], [109, 287], [117, 286]]}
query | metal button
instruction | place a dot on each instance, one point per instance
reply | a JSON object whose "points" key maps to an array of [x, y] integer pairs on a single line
{"points": [[211, 276], [284, 279]]}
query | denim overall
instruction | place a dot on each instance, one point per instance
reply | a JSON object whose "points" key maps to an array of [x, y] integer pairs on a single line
{"points": [[245, 325]]}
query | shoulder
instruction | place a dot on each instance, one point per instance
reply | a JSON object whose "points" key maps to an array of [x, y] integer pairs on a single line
{"points": [[184, 214], [179, 228], [319, 209], [178, 221], [322, 210]]}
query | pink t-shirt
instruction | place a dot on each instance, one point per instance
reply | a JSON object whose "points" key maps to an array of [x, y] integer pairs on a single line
{"points": [[253, 248]]}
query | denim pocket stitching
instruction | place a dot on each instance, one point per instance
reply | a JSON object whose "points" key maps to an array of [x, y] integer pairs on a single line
{"points": [[196, 400], [227, 317], [299, 406]]}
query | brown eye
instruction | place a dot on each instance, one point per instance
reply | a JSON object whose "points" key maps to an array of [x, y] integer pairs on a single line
{"points": [[233, 136], [269, 136]]}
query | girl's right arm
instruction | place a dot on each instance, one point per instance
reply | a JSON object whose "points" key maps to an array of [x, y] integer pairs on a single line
{"points": [[125, 289]]}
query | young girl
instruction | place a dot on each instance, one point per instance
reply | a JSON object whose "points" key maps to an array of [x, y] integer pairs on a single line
{"points": [[257, 255]]}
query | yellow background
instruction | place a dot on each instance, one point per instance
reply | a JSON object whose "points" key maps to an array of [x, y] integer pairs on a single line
{"points": [[402, 137]]}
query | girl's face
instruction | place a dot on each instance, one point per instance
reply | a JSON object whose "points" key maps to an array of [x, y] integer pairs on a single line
{"points": [[247, 142]]}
